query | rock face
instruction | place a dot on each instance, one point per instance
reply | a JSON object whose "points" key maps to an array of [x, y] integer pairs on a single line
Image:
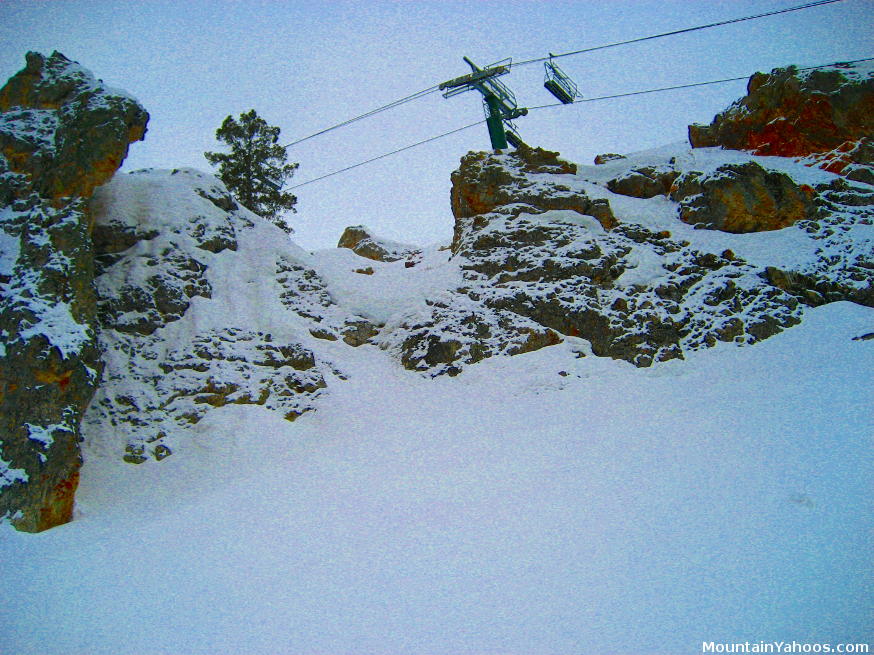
{"points": [[527, 178], [135, 308], [174, 255], [533, 275], [741, 198], [63, 129], [62, 133], [842, 267], [852, 159], [792, 113]]}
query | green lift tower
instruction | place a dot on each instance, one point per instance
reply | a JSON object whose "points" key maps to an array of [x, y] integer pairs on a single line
{"points": [[498, 101]]}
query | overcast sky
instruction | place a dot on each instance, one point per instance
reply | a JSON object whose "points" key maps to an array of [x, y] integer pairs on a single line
{"points": [[307, 65]]}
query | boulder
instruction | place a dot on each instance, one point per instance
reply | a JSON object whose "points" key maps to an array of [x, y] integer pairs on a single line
{"points": [[741, 198], [360, 240], [606, 157], [62, 133], [644, 182], [357, 332]]}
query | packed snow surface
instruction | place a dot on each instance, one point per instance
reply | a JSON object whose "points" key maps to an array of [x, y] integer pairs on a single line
{"points": [[533, 504]]}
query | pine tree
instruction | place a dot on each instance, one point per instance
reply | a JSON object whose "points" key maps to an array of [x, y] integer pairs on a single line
{"points": [[255, 169]]}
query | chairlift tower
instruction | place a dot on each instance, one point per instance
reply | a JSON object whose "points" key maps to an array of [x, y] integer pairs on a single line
{"points": [[498, 101]]}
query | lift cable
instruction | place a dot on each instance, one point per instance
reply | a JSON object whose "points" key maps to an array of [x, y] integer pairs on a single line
{"points": [[808, 5], [558, 104], [685, 86], [432, 89], [387, 154], [396, 103]]}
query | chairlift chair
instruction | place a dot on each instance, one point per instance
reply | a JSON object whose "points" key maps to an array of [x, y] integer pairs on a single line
{"points": [[559, 84]]}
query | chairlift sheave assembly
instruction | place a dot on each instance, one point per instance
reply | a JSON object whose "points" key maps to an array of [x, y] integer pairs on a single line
{"points": [[499, 102]]}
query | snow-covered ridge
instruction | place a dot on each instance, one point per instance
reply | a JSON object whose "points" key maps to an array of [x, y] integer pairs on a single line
{"points": [[204, 304], [649, 288], [606, 465]]}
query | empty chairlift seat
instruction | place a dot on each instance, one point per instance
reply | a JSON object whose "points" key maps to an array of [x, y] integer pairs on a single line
{"points": [[559, 84]]}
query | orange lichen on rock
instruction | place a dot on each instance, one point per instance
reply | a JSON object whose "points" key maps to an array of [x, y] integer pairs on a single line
{"points": [[852, 159], [469, 200], [61, 378], [796, 127], [58, 506], [792, 113], [81, 182]]}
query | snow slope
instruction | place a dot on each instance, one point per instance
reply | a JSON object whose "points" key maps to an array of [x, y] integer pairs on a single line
{"points": [[548, 502], [512, 509]]}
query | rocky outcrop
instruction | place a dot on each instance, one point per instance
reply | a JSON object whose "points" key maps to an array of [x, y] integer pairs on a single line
{"points": [[62, 133], [153, 396], [180, 342], [535, 276], [359, 240], [63, 129], [151, 265], [199, 306], [305, 293], [793, 113], [741, 198], [454, 335], [536, 272], [843, 268], [525, 180], [607, 157]]}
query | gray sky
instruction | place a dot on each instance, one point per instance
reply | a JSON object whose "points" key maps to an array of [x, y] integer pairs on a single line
{"points": [[308, 65]]}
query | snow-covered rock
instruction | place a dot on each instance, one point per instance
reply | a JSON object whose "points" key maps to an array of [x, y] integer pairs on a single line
{"points": [[360, 240], [741, 198], [823, 115], [203, 305], [195, 313], [644, 287], [792, 113], [62, 133], [644, 181], [558, 501]]}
